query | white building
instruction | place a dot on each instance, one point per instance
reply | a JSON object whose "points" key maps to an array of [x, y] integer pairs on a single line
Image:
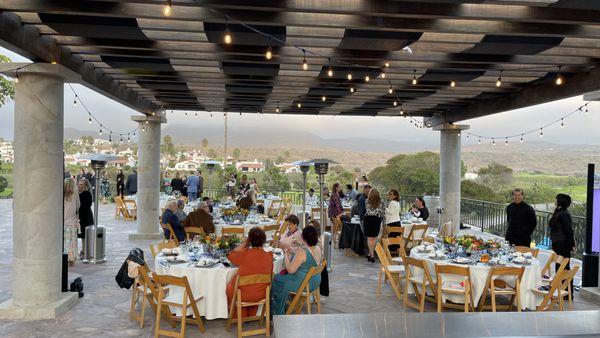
{"points": [[187, 165], [471, 176], [288, 168], [7, 155], [250, 166]]}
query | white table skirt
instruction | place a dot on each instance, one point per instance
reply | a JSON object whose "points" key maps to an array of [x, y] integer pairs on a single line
{"points": [[531, 279], [210, 283]]}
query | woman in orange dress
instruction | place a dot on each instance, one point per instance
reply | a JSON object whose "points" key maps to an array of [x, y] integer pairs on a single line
{"points": [[251, 259]]}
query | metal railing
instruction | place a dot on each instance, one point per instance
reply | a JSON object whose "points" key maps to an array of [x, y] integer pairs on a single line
{"points": [[491, 218], [295, 196]]}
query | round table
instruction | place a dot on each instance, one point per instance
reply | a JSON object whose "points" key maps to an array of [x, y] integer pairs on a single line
{"points": [[532, 278], [210, 283], [220, 224]]}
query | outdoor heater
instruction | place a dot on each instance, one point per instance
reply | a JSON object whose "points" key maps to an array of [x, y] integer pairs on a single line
{"points": [[304, 168], [210, 165], [321, 168], [95, 235]]}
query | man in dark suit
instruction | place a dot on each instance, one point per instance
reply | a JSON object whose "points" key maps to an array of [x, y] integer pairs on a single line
{"points": [[361, 202], [131, 184], [521, 220], [169, 217]]}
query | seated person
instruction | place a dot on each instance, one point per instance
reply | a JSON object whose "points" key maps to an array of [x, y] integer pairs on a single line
{"points": [[311, 198], [419, 209], [251, 259], [200, 218], [179, 212], [291, 235], [247, 201], [209, 202], [169, 217], [297, 266]]}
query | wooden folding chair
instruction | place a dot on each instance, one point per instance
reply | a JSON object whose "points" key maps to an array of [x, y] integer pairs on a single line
{"points": [[560, 287], [524, 249], [190, 232], [303, 294], [118, 203], [394, 257], [394, 273], [315, 213], [452, 287], [419, 286], [156, 249], [277, 235], [415, 236], [548, 271], [496, 286], [172, 237], [143, 291], [185, 301], [233, 230], [274, 208], [238, 304]]}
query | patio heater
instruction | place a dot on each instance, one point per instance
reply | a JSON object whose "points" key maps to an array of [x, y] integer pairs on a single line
{"points": [[304, 168], [210, 165], [321, 168], [95, 235]]}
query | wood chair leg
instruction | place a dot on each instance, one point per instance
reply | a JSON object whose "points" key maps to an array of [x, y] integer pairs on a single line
{"points": [[493, 294], [439, 299], [318, 302], [143, 308], [133, 301], [158, 314], [268, 312], [570, 296], [183, 315], [240, 320], [422, 299]]}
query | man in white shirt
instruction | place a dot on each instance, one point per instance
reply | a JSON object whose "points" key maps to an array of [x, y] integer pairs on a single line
{"points": [[311, 198]]}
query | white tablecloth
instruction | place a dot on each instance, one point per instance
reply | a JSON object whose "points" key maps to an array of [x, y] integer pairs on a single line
{"points": [[211, 283], [531, 279], [247, 226]]}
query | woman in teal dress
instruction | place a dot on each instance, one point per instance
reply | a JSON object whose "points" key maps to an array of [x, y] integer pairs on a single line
{"points": [[297, 268]]}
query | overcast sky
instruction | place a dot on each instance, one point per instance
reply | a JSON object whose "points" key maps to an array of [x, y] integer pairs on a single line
{"points": [[579, 129]]}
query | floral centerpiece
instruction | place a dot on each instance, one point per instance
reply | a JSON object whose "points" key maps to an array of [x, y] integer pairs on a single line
{"points": [[235, 214], [223, 243], [471, 243]]}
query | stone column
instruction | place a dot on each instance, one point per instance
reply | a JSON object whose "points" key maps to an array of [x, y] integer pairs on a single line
{"points": [[148, 194], [38, 196], [450, 172]]}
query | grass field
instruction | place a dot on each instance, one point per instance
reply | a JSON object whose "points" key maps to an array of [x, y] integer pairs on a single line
{"points": [[572, 185], [6, 192]]}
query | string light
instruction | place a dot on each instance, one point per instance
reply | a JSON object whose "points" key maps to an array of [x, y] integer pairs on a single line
{"points": [[110, 137], [414, 80], [16, 76], [211, 115], [128, 138], [186, 114], [390, 90], [323, 98], [468, 137], [559, 80], [383, 74], [299, 105], [493, 142], [401, 110], [395, 103], [521, 138], [277, 109], [367, 78], [587, 112], [100, 132], [541, 132], [479, 142], [90, 119], [506, 142], [196, 114], [134, 134], [330, 70], [349, 76], [499, 81], [227, 37], [75, 101], [269, 54], [304, 63], [387, 65], [168, 9], [351, 89], [562, 123], [452, 84]]}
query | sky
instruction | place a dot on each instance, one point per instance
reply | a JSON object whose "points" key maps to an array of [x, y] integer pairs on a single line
{"points": [[579, 128]]}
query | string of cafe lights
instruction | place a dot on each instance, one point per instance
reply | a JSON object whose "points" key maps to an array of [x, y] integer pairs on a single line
{"points": [[228, 39], [102, 128], [584, 108]]}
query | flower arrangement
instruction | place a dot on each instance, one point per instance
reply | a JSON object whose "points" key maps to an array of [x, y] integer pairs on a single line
{"points": [[225, 242], [472, 243], [235, 213]]}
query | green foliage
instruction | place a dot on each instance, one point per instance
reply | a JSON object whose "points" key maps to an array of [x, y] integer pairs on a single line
{"points": [[236, 154], [3, 183], [474, 190], [212, 153], [496, 176], [7, 86], [410, 173], [167, 146], [275, 180]]}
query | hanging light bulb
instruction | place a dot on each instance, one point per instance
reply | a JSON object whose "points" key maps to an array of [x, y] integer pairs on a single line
{"points": [[299, 105], [521, 138], [240, 113], [414, 80], [75, 101], [186, 114], [367, 78], [390, 90], [587, 111], [468, 137], [196, 114], [479, 142], [323, 98], [121, 140], [499, 81], [330, 70], [387, 65], [128, 138], [90, 119], [506, 142], [269, 54], [559, 80], [541, 132], [16, 76], [349, 76], [134, 134], [304, 63], [452, 84], [227, 37], [351, 89], [493, 142], [459, 133], [383, 74], [395, 103], [110, 138], [562, 123], [100, 132], [277, 109], [168, 9], [401, 110], [211, 115]]}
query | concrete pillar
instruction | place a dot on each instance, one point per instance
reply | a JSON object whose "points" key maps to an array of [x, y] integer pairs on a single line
{"points": [[38, 195], [450, 172], [148, 194]]}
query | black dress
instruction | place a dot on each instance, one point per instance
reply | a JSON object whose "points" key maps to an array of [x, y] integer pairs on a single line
{"points": [[372, 220], [561, 233], [86, 216], [120, 185]]}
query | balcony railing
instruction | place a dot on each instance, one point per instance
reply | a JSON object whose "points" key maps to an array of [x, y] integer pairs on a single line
{"points": [[491, 218]]}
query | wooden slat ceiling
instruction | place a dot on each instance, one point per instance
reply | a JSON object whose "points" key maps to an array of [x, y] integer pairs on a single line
{"points": [[181, 62]]}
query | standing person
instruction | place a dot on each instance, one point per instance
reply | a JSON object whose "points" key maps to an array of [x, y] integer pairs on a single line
{"points": [[561, 229], [311, 198], [166, 183], [176, 184], [335, 211], [84, 174], [230, 183], [120, 183], [392, 215], [192, 187], [521, 220], [184, 191], [254, 186], [352, 193], [131, 184], [374, 214], [244, 184], [361, 202], [200, 184], [419, 209], [86, 215], [71, 219]]}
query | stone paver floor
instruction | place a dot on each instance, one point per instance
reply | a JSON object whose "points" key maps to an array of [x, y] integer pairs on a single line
{"points": [[103, 311]]}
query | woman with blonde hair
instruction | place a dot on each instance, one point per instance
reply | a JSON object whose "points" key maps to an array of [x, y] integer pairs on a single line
{"points": [[375, 211], [71, 219]]}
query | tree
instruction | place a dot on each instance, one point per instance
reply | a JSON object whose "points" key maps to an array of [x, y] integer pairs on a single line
{"points": [[236, 154], [275, 180], [412, 174], [204, 145], [212, 153], [496, 176], [7, 86], [167, 146], [474, 190]]}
